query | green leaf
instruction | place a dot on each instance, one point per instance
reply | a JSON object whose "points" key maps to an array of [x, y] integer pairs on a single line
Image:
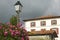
{"points": [[13, 20]]}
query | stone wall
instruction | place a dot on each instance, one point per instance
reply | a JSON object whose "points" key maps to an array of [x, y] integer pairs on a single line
{"points": [[41, 37]]}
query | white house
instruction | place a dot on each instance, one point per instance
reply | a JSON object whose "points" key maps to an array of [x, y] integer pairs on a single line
{"points": [[44, 22]]}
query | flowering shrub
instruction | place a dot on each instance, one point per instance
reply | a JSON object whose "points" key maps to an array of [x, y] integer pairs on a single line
{"points": [[12, 32]]}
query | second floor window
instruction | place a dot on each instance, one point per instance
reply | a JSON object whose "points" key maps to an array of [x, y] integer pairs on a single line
{"points": [[53, 22], [43, 23], [32, 24]]}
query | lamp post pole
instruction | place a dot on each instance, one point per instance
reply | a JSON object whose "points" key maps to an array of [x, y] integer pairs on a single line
{"points": [[18, 17], [18, 8]]}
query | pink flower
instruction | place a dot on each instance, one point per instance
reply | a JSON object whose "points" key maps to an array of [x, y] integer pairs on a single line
{"points": [[11, 26], [0, 27], [22, 38], [27, 38], [17, 32], [13, 33], [10, 30], [19, 24], [5, 33]]}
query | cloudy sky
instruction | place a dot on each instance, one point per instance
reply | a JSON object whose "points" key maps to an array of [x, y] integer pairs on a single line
{"points": [[31, 8]]}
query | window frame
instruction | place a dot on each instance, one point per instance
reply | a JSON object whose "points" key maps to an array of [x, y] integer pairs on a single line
{"points": [[32, 25], [54, 23], [43, 23]]}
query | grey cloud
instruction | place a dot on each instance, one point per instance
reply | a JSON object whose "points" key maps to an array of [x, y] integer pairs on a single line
{"points": [[54, 8], [31, 8]]}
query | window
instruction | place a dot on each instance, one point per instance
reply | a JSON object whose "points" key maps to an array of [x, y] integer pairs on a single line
{"points": [[32, 24], [53, 22], [43, 23]]}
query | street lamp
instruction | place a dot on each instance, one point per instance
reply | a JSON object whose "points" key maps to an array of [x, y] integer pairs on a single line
{"points": [[18, 8]]}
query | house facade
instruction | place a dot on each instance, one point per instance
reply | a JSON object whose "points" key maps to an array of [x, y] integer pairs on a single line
{"points": [[44, 25]]}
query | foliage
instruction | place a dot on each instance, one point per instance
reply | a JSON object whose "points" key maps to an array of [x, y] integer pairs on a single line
{"points": [[12, 32], [13, 20]]}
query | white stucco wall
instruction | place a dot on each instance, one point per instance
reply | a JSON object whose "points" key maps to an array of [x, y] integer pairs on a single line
{"points": [[39, 27]]}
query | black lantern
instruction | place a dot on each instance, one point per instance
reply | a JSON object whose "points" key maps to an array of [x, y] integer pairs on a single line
{"points": [[18, 6]]}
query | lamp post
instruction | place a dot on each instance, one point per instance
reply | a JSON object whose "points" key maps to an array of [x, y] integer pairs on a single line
{"points": [[18, 8]]}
